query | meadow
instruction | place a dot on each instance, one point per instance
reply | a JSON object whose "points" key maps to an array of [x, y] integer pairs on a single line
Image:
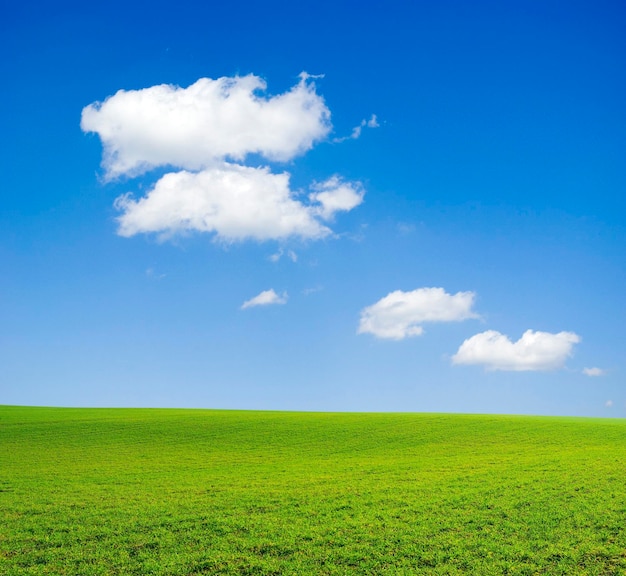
{"points": [[181, 492]]}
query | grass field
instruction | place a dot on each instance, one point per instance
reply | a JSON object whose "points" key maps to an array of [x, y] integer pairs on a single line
{"points": [[181, 492]]}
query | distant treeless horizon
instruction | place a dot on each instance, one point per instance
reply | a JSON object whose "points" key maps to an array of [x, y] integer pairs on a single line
{"points": [[214, 492]]}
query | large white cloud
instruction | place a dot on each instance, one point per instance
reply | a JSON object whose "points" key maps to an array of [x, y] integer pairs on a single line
{"points": [[265, 298], [533, 351], [234, 202], [204, 134], [211, 120], [401, 314]]}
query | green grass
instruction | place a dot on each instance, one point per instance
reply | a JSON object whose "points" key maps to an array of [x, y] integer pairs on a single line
{"points": [[181, 492]]}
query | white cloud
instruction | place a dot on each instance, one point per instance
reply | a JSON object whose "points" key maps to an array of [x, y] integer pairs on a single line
{"points": [[265, 298], [405, 228], [372, 122], [594, 372], [401, 314], [533, 351], [334, 195], [356, 131], [204, 134], [150, 273], [608, 403], [278, 255], [235, 202], [209, 121]]}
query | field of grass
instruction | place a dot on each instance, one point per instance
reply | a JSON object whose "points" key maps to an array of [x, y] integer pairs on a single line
{"points": [[180, 492]]}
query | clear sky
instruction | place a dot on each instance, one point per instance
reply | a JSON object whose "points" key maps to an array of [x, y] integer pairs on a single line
{"points": [[413, 206]]}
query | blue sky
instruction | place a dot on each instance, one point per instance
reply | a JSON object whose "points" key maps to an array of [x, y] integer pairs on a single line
{"points": [[432, 220]]}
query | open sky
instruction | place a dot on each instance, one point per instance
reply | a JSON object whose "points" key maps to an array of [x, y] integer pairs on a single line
{"points": [[328, 205]]}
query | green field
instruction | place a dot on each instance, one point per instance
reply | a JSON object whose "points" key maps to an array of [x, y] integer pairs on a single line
{"points": [[151, 491]]}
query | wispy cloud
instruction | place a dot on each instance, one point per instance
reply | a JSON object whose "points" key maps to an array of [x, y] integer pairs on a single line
{"points": [[533, 351], [358, 129], [280, 253], [405, 228], [593, 372], [153, 275], [401, 314], [265, 298], [205, 132], [608, 403]]}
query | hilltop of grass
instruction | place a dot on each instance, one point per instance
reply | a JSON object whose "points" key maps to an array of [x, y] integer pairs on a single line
{"points": [[181, 492]]}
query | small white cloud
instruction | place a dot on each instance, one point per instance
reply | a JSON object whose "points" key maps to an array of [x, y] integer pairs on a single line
{"points": [[211, 120], [533, 351], [405, 228], [278, 255], [265, 298], [150, 273], [594, 372], [401, 314], [608, 403], [308, 291], [356, 131], [373, 122], [334, 195]]}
